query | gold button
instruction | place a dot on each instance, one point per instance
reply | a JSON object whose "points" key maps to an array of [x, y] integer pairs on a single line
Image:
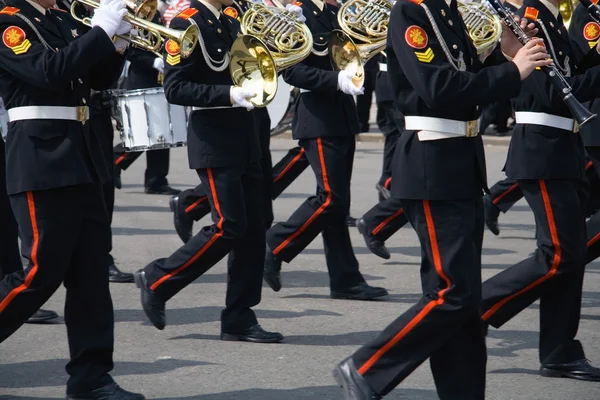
{"points": [[210, 21], [79, 80], [443, 13], [454, 46], [450, 22], [219, 50], [84, 101], [320, 37], [551, 25], [219, 30], [560, 53], [314, 12]]}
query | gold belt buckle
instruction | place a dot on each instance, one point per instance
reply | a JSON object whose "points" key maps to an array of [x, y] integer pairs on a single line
{"points": [[472, 129], [575, 127], [82, 114]]}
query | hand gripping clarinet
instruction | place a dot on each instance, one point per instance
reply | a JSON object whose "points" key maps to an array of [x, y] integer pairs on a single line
{"points": [[592, 8], [580, 113]]}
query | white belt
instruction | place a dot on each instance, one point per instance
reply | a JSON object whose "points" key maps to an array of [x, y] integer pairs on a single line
{"points": [[383, 67], [553, 121], [80, 114], [431, 128], [304, 90], [214, 108]]}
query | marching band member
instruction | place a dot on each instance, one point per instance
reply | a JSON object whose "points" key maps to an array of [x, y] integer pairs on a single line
{"points": [[325, 123], [54, 173], [439, 173], [223, 148], [552, 180]]}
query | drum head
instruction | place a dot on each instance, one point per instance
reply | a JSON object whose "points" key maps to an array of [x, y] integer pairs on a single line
{"points": [[279, 106]]}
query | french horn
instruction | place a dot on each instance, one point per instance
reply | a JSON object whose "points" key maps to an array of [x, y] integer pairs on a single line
{"points": [[363, 34], [483, 26], [272, 39]]}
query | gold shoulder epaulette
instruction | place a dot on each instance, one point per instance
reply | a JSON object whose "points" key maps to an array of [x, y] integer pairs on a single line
{"points": [[187, 14], [9, 10]]}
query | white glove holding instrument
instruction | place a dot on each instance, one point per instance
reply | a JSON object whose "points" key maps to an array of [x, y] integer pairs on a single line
{"points": [[109, 16], [159, 65], [296, 10], [346, 85], [240, 97]]}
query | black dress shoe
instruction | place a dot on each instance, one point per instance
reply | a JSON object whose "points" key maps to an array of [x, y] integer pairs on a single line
{"points": [[254, 334], [272, 273], [152, 305], [163, 189], [580, 369], [376, 247], [383, 192], [361, 292], [350, 221], [183, 223], [354, 385], [117, 276], [108, 392], [42, 316], [491, 213]]}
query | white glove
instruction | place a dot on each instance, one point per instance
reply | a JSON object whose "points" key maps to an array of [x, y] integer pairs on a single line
{"points": [[240, 97], [125, 27], [159, 64], [346, 85], [296, 10], [109, 16]]}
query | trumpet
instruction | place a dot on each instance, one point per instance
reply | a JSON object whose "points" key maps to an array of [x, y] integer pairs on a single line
{"points": [[365, 21], [272, 39], [151, 36]]}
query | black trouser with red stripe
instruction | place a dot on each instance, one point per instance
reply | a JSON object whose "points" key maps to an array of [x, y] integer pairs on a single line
{"points": [[282, 175], [65, 235], [505, 193], [444, 325], [236, 197], [554, 274], [331, 160], [10, 258], [385, 219], [391, 123], [157, 164]]}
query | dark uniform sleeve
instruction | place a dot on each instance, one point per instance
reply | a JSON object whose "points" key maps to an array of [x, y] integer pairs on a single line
{"points": [[48, 69], [181, 80], [432, 76]]}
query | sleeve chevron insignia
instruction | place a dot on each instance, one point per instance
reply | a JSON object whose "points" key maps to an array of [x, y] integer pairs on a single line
{"points": [[425, 56], [592, 44]]}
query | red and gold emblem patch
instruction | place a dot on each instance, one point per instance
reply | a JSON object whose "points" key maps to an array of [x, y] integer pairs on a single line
{"points": [[9, 10], [531, 13], [14, 38], [231, 12], [416, 37], [173, 49], [591, 31]]}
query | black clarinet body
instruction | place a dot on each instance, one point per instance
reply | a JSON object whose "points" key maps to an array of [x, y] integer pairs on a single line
{"points": [[581, 114], [592, 8]]}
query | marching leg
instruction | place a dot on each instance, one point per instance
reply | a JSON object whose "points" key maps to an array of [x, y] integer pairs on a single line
{"points": [[287, 170], [504, 194]]}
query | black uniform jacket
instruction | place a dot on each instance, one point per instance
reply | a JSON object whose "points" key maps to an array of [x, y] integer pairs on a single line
{"points": [[324, 111], [383, 87], [584, 33], [218, 137], [45, 154], [427, 84], [540, 152], [142, 74]]}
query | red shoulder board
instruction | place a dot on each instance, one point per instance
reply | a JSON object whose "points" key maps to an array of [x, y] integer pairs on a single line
{"points": [[187, 14], [298, 3], [595, 1], [9, 10], [531, 13], [416, 1], [231, 12]]}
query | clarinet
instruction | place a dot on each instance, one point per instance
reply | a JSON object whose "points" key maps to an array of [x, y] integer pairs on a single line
{"points": [[593, 9], [580, 113]]}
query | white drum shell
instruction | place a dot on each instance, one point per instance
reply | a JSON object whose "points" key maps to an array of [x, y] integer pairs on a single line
{"points": [[148, 121]]}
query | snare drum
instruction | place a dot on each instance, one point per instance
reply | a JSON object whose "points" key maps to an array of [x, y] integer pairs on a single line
{"points": [[281, 109], [147, 121]]}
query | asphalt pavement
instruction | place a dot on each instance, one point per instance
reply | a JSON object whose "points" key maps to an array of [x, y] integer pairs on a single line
{"points": [[188, 361]]}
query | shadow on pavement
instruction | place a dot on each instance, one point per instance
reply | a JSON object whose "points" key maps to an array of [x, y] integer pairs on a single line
{"points": [[346, 339], [52, 372]]}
